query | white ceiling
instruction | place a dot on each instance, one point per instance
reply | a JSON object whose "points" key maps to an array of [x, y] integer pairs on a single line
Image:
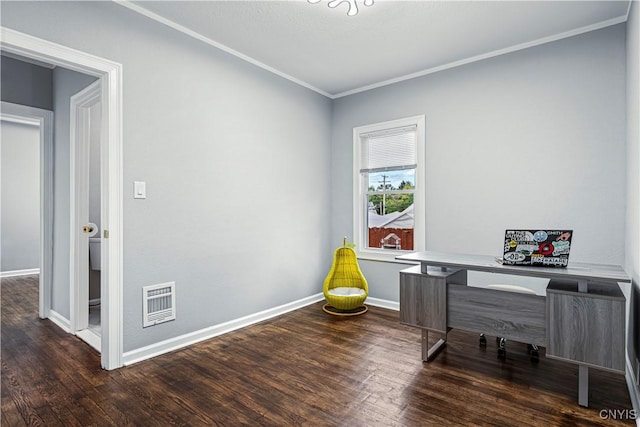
{"points": [[335, 54]]}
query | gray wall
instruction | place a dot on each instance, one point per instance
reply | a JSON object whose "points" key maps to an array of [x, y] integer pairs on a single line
{"points": [[26, 84], [534, 138], [65, 84], [632, 249], [236, 162], [20, 168]]}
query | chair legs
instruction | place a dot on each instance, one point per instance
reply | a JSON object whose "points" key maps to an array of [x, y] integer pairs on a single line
{"points": [[502, 347], [501, 344], [534, 353]]}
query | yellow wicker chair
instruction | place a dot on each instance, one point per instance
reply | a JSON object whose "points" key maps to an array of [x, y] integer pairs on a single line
{"points": [[345, 287]]}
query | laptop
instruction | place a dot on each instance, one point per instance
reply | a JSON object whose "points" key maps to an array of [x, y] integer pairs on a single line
{"points": [[544, 248]]}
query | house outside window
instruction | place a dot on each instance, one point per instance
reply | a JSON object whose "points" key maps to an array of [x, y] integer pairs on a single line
{"points": [[389, 188]]}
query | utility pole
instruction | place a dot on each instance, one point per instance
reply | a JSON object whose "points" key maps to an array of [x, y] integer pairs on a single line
{"points": [[384, 196]]}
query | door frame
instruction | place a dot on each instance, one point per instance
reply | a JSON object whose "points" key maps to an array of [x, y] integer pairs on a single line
{"points": [[110, 75], [43, 119], [79, 152]]}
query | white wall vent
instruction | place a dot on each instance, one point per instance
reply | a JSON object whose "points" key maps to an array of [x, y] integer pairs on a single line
{"points": [[159, 303]]}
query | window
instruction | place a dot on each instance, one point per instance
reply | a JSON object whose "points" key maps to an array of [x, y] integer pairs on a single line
{"points": [[389, 188]]}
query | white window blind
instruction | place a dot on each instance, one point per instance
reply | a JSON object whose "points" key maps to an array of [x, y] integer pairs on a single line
{"points": [[391, 149]]}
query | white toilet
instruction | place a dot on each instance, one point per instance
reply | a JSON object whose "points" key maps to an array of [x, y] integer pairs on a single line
{"points": [[95, 246]]}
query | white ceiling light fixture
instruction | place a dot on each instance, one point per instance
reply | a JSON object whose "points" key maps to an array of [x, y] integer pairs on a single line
{"points": [[353, 6]]}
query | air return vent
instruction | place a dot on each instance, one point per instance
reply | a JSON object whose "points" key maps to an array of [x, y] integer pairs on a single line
{"points": [[159, 303]]}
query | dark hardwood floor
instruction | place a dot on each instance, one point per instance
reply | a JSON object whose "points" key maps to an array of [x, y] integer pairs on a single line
{"points": [[302, 368]]}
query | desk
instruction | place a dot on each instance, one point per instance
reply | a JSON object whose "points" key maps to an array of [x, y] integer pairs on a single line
{"points": [[581, 320]]}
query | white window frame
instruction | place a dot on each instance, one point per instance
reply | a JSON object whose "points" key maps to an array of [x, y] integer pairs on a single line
{"points": [[360, 228]]}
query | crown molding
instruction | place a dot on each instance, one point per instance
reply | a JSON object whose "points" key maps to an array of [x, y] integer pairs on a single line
{"points": [[515, 48], [227, 49], [593, 27]]}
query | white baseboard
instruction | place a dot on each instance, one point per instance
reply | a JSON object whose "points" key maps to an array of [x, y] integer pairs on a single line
{"points": [[166, 346], [15, 273], [383, 303], [60, 320]]}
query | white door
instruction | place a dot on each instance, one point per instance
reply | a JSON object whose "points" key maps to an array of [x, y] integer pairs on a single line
{"points": [[86, 131]]}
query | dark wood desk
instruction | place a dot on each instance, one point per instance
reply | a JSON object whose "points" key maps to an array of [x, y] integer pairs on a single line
{"points": [[581, 320]]}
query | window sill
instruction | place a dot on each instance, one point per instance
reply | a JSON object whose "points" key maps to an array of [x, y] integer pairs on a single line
{"points": [[389, 257]]}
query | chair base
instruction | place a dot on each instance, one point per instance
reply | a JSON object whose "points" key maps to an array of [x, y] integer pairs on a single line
{"points": [[353, 312]]}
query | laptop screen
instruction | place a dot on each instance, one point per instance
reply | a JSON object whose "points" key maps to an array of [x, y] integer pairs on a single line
{"points": [[545, 248]]}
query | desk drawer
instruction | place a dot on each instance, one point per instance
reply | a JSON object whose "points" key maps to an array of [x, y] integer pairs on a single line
{"points": [[423, 301], [587, 327], [515, 316], [423, 297]]}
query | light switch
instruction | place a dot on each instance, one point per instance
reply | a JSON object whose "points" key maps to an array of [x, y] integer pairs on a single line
{"points": [[139, 190]]}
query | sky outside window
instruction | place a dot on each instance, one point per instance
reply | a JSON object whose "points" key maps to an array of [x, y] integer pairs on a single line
{"points": [[394, 178]]}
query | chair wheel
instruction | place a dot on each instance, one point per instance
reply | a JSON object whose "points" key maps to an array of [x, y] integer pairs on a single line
{"points": [[502, 348], [535, 356], [483, 340]]}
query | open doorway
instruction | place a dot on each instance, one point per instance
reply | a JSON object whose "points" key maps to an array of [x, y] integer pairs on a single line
{"points": [[109, 75], [20, 156], [27, 174]]}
